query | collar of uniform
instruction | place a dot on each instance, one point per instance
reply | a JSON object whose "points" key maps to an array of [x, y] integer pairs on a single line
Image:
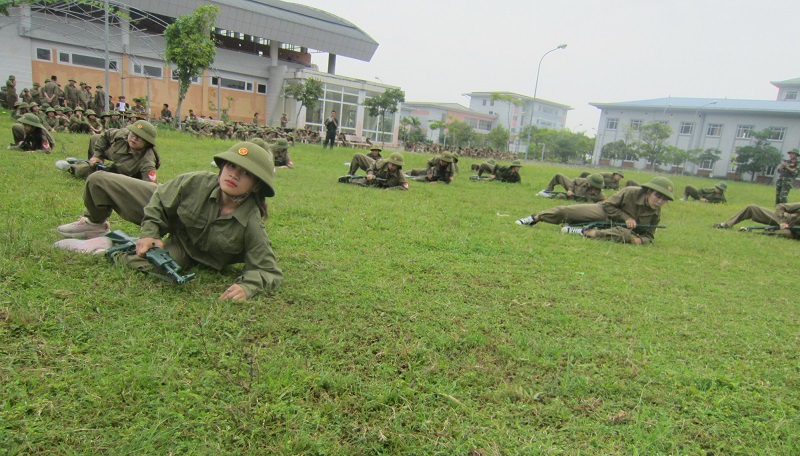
{"points": [[241, 213]]}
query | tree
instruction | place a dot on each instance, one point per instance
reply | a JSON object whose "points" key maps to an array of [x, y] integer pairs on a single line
{"points": [[511, 100], [460, 132], [306, 93], [189, 48], [617, 150], [387, 102], [408, 124], [711, 155], [438, 125], [759, 156], [651, 144], [498, 138]]}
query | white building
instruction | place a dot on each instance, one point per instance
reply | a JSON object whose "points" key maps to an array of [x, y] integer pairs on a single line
{"points": [[428, 112], [704, 123]]}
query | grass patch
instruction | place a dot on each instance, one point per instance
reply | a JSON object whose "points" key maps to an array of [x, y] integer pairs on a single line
{"points": [[415, 322]]}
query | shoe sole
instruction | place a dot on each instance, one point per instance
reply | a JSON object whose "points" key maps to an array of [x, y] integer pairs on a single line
{"points": [[83, 236]]}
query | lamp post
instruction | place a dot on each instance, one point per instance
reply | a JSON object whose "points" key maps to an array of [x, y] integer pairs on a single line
{"points": [[535, 89], [380, 80]]}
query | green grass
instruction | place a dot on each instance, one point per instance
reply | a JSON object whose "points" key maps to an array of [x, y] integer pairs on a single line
{"points": [[417, 322]]}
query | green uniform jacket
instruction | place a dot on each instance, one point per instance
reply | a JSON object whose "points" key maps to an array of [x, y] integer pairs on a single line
{"points": [[281, 158], [710, 194], [609, 182], [582, 190], [789, 213], [504, 174], [187, 209], [71, 94], [51, 122], [113, 145], [631, 202], [440, 173], [396, 179]]}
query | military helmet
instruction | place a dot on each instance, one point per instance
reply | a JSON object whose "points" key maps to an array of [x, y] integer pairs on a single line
{"points": [[722, 186], [375, 147], [794, 151], [596, 180], [67, 109], [661, 185], [90, 112], [447, 157], [618, 173], [78, 108], [144, 130], [32, 104], [53, 110], [45, 105], [30, 119], [17, 103], [259, 142], [396, 159], [516, 163], [281, 144], [24, 105], [255, 159]]}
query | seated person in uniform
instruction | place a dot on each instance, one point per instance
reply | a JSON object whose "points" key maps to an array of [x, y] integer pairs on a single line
{"points": [[30, 135], [714, 195], [638, 208], [580, 189], [362, 161], [200, 217], [132, 149], [280, 152], [786, 219]]}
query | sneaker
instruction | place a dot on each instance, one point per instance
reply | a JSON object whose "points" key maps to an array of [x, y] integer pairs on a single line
{"points": [[83, 229], [744, 228], [572, 230], [544, 194], [345, 179], [94, 246], [721, 226], [63, 165], [526, 221]]}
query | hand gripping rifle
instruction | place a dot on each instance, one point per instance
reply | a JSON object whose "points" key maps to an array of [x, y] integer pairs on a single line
{"points": [[605, 224], [97, 166], [126, 244]]}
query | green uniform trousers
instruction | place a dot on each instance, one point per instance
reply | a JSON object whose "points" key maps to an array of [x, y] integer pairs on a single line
{"points": [[111, 192]]}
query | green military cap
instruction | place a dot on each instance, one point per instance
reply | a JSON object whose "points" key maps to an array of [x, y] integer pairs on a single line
{"points": [[240, 129], [50, 110], [490, 161], [722, 186], [32, 104], [281, 144], [72, 80], [375, 147], [516, 163], [105, 114], [90, 112], [31, 119], [36, 84], [98, 86], [17, 103], [24, 105], [59, 108], [661, 185], [78, 108], [144, 130], [11, 76], [259, 142], [67, 109], [618, 173], [83, 83], [45, 105], [255, 159], [596, 180], [447, 157], [794, 151], [396, 159]]}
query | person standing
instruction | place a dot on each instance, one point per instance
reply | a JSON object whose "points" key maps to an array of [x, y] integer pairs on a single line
{"points": [[84, 97], [714, 195], [331, 125], [284, 120], [49, 90], [71, 93], [11, 92], [36, 94], [99, 99], [787, 173]]}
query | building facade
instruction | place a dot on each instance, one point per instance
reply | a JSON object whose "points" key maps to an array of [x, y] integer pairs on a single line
{"points": [[705, 123], [428, 113], [261, 46]]}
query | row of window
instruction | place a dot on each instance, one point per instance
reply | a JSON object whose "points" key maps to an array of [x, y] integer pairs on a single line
{"points": [[712, 129], [150, 71]]}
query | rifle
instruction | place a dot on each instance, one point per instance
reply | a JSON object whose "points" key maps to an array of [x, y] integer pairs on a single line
{"points": [[795, 229], [479, 178], [609, 224], [347, 179], [125, 243], [97, 166]]}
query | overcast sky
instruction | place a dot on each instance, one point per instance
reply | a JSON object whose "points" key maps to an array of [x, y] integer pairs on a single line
{"points": [[618, 50]]}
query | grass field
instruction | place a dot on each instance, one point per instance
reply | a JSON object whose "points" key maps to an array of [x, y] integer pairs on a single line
{"points": [[419, 322]]}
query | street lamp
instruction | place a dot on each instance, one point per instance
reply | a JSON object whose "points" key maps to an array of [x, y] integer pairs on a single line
{"points": [[380, 80], [536, 88]]}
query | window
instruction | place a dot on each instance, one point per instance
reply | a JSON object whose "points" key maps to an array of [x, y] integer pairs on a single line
{"points": [[43, 54], [195, 79], [687, 128], [611, 124], [630, 158], [148, 70], [484, 102], [492, 103], [664, 122], [714, 130], [744, 131], [234, 84], [777, 133], [261, 88], [63, 57], [636, 125], [706, 164], [791, 95], [93, 62]]}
